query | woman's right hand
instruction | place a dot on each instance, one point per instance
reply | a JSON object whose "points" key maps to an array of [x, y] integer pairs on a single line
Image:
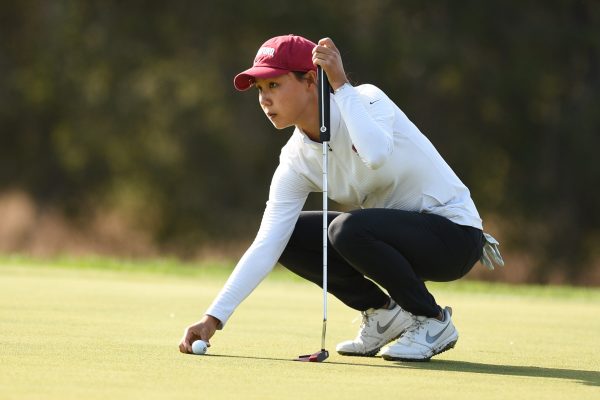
{"points": [[201, 330], [328, 56]]}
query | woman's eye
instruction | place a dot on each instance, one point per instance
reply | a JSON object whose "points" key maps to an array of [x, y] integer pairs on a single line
{"points": [[273, 85]]}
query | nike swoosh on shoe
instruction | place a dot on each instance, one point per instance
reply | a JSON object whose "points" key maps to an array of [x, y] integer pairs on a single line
{"points": [[431, 339], [381, 329]]}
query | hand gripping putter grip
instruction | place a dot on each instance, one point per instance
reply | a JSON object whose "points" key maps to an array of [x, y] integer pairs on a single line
{"points": [[324, 136]]}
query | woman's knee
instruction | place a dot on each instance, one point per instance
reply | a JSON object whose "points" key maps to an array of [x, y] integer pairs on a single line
{"points": [[346, 229]]}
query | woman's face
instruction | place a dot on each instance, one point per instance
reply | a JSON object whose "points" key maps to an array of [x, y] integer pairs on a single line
{"points": [[285, 99]]}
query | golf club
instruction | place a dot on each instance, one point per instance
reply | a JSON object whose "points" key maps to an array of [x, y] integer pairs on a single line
{"points": [[325, 136]]}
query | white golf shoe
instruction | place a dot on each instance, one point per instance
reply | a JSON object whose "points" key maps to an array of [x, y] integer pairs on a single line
{"points": [[424, 339], [378, 328]]}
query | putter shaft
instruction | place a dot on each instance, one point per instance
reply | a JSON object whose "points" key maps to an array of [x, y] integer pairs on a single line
{"points": [[324, 136]]}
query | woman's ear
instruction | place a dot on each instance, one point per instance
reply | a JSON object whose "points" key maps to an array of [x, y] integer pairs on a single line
{"points": [[311, 77]]}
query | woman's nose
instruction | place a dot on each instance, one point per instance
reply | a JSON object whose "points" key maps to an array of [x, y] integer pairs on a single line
{"points": [[264, 99]]}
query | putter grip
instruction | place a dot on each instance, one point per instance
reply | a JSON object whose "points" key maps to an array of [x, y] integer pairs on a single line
{"points": [[324, 91]]}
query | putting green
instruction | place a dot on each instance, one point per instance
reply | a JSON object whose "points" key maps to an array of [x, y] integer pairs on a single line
{"points": [[91, 334]]}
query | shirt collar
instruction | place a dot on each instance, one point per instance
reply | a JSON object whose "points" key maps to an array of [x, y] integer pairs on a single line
{"points": [[335, 120]]}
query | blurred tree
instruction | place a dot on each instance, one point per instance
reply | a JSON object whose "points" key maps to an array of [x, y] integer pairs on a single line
{"points": [[106, 105]]}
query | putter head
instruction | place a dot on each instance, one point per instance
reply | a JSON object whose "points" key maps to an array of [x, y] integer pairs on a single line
{"points": [[319, 356]]}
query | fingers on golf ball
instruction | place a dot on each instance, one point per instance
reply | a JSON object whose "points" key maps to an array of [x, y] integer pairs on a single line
{"points": [[199, 347]]}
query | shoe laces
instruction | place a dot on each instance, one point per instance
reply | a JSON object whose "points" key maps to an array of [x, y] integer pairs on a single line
{"points": [[365, 323], [366, 320], [415, 328]]}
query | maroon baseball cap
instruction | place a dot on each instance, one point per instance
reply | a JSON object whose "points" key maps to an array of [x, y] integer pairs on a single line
{"points": [[278, 56]]}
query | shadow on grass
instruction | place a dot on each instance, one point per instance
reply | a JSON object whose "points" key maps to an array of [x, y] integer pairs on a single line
{"points": [[591, 378], [301, 362]]}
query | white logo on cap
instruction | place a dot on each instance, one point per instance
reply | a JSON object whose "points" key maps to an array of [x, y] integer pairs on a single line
{"points": [[265, 51]]}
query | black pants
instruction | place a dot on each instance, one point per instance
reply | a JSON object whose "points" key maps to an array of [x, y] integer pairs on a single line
{"points": [[399, 250]]}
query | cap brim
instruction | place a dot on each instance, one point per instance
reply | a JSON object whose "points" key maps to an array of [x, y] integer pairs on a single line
{"points": [[244, 80]]}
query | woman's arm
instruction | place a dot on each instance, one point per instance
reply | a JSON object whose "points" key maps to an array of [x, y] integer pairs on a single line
{"points": [[368, 115], [286, 198]]}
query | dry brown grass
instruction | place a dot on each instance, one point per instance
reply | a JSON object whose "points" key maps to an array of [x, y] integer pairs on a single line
{"points": [[28, 229]]}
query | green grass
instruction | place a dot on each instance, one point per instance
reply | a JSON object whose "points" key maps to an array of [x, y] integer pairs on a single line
{"points": [[98, 329]]}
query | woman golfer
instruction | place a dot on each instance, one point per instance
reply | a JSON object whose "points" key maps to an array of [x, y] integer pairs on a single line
{"points": [[412, 219]]}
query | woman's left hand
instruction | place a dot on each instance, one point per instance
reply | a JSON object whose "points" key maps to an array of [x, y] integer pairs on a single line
{"points": [[328, 57]]}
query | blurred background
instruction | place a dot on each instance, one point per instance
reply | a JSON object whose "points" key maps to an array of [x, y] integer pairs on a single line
{"points": [[121, 133]]}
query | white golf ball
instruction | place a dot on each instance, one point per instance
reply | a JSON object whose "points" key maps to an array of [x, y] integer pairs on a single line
{"points": [[199, 347]]}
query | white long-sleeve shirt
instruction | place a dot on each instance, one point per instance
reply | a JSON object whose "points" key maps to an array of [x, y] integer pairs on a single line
{"points": [[378, 159]]}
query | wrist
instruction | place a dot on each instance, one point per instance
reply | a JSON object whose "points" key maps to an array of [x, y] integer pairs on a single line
{"points": [[212, 320]]}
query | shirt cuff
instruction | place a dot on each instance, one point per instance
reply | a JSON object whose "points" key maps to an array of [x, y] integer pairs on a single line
{"points": [[342, 88]]}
